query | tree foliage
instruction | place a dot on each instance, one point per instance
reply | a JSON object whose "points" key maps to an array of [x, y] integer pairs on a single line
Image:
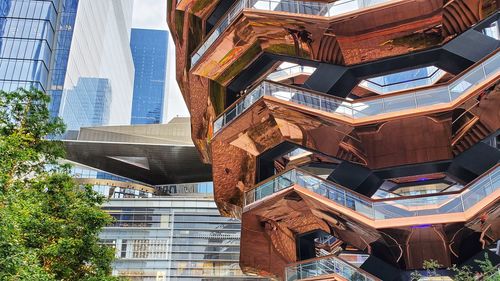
{"points": [[489, 272], [49, 225]]}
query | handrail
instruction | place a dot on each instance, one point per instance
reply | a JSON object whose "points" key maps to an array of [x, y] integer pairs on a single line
{"points": [[399, 197], [464, 130], [360, 108], [325, 265], [452, 80], [296, 7], [455, 78], [377, 208]]}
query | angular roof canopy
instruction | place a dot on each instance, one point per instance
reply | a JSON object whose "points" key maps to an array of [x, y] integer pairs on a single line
{"points": [[153, 154]]}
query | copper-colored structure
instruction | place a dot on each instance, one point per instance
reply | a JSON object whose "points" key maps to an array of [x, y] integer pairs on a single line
{"points": [[359, 135]]}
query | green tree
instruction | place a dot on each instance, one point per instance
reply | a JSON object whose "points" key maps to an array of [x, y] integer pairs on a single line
{"points": [[431, 266], [49, 224]]}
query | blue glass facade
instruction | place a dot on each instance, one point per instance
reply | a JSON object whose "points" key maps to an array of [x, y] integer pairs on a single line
{"points": [[61, 47], [87, 104], [64, 35], [27, 30], [149, 52]]}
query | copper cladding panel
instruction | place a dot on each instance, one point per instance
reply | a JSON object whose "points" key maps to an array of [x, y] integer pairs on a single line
{"points": [[386, 30], [196, 89], [267, 236], [266, 246], [400, 141]]}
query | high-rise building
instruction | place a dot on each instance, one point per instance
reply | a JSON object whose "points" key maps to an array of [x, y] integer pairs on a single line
{"points": [[76, 50], [167, 225], [174, 105], [27, 32], [173, 238], [354, 139], [149, 51], [87, 104], [167, 232]]}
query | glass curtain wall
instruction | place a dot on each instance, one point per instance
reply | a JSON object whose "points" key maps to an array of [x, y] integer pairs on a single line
{"points": [[96, 88], [173, 238], [27, 30], [64, 32], [149, 51]]}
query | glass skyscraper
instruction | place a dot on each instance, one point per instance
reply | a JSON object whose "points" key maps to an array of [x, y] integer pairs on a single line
{"points": [[149, 52], [173, 238], [99, 65], [177, 236], [76, 50], [87, 104], [27, 31]]}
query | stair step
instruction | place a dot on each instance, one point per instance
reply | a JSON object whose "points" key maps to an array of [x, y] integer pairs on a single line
{"points": [[469, 141], [477, 134], [481, 128]]}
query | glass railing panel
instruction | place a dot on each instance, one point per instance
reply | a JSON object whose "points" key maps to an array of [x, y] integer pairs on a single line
{"points": [[325, 266], [354, 259], [342, 7], [337, 195], [307, 100], [397, 103], [368, 108], [281, 182], [495, 178], [476, 193], [389, 210], [492, 65], [455, 205], [359, 205], [231, 114], [343, 108], [218, 123], [432, 96], [471, 79], [383, 209]]}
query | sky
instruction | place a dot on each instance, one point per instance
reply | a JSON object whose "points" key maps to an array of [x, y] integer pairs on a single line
{"points": [[150, 14]]}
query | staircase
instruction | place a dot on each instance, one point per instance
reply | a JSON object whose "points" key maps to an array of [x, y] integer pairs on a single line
{"points": [[330, 246], [468, 136], [350, 153], [460, 15], [329, 50]]}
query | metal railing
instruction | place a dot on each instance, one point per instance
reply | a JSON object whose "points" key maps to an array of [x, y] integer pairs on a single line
{"points": [[365, 107], [288, 6], [380, 209], [324, 266]]}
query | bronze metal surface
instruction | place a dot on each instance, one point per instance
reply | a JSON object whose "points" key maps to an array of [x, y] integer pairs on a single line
{"points": [[188, 35], [413, 136], [386, 30], [407, 246], [416, 138]]}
